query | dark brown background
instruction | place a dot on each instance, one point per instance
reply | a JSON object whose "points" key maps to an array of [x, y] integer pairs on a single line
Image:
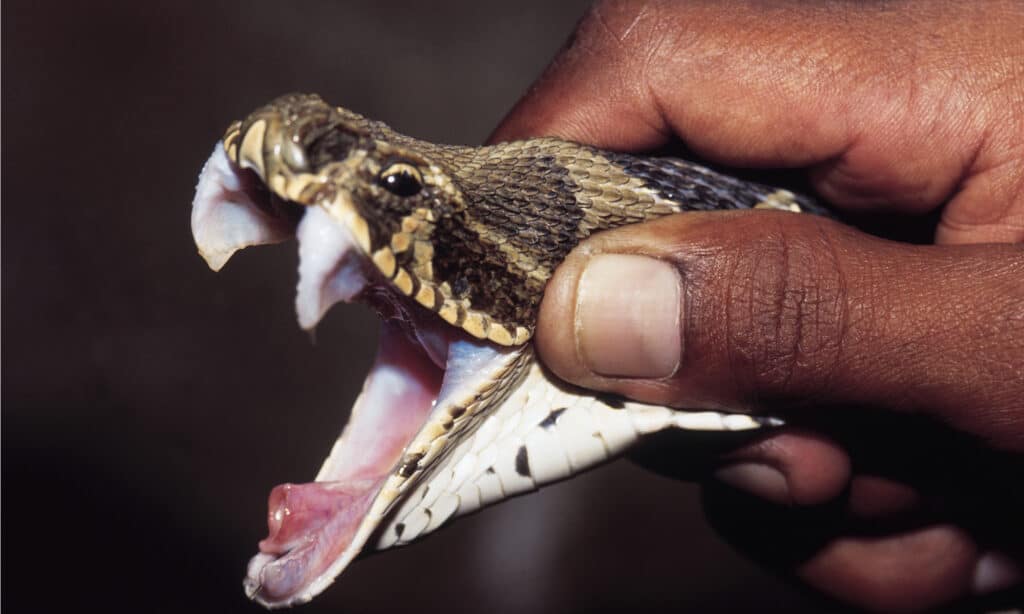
{"points": [[149, 405]]}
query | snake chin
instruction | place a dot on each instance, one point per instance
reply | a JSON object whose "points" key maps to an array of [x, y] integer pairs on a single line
{"points": [[316, 529], [317, 526]]}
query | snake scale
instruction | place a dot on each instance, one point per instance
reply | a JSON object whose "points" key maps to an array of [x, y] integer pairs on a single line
{"points": [[452, 246]]}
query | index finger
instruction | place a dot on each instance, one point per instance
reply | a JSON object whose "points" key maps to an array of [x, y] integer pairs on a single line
{"points": [[872, 100]]}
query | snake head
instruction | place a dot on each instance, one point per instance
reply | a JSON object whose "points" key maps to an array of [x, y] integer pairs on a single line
{"points": [[393, 196], [368, 207]]}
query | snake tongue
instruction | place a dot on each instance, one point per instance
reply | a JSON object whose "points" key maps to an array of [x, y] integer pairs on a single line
{"points": [[309, 526]]}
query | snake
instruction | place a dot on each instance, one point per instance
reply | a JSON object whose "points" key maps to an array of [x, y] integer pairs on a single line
{"points": [[452, 246]]}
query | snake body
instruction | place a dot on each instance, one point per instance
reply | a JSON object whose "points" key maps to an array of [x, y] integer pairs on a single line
{"points": [[463, 240]]}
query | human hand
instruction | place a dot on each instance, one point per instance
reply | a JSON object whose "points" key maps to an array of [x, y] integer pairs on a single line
{"points": [[900, 366]]}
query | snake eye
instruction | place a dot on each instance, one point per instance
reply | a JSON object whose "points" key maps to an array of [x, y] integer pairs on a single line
{"points": [[401, 179]]}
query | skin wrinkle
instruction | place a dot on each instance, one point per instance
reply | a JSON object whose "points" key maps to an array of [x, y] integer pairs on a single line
{"points": [[733, 348], [636, 20], [798, 316], [649, 64], [841, 305], [650, 38], [876, 183], [982, 210], [965, 216], [598, 14], [730, 348], [788, 321], [624, 84], [770, 306], [776, 310]]}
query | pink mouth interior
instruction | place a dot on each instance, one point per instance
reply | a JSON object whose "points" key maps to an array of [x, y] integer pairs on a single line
{"points": [[311, 525]]}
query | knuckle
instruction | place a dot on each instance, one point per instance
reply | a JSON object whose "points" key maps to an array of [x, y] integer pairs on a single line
{"points": [[786, 313]]}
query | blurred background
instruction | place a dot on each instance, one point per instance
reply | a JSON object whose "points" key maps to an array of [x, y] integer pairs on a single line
{"points": [[149, 405]]}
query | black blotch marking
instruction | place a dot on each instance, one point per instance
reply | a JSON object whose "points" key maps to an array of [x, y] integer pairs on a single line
{"points": [[490, 469], [611, 400], [698, 188], [523, 462], [399, 529], [525, 202], [552, 418], [692, 187]]}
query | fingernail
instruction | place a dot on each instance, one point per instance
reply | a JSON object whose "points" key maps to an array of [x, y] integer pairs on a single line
{"points": [[994, 572], [758, 479], [628, 316]]}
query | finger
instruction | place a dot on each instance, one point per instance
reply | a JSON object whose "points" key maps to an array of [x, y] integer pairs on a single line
{"points": [[790, 468], [905, 127], [906, 473], [768, 310], [787, 467], [795, 467], [907, 467], [913, 569]]}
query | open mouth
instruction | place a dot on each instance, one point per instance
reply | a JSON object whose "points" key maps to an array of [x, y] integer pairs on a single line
{"points": [[412, 403], [455, 413]]}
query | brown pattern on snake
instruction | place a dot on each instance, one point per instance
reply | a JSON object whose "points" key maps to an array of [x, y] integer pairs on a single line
{"points": [[472, 233]]}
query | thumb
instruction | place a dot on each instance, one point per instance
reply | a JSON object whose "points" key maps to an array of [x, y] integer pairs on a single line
{"points": [[764, 311]]}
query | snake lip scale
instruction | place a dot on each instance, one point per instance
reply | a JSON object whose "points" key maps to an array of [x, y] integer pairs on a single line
{"points": [[453, 247]]}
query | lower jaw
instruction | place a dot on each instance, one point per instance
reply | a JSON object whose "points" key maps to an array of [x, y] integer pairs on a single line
{"points": [[313, 525]]}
